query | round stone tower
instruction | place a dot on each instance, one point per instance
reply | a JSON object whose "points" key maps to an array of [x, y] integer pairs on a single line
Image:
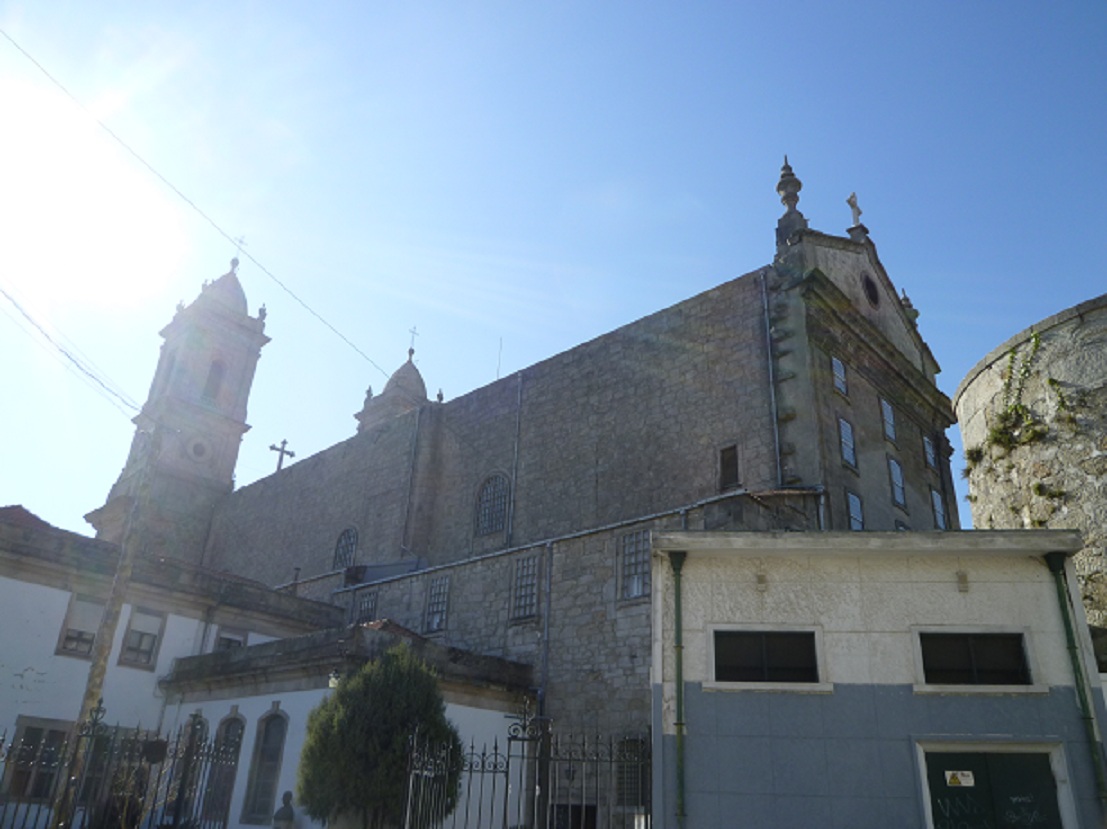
{"points": [[1033, 417]]}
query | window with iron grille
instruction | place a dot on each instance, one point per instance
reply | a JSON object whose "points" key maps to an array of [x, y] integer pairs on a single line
{"points": [[856, 511], [367, 606], [845, 441], [82, 620], [895, 476], [140, 642], [728, 468], [220, 782], [839, 370], [635, 564], [492, 505], [632, 770], [974, 659], [765, 656], [938, 506], [888, 416], [930, 452], [345, 549], [437, 599], [524, 600]]}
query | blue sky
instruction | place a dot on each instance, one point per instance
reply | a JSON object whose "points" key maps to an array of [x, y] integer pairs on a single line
{"points": [[512, 179]]}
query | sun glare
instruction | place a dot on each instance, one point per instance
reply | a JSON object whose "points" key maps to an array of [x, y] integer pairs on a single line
{"points": [[84, 224]]}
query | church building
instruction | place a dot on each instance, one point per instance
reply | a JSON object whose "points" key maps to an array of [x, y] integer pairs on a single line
{"points": [[514, 521], [724, 536]]}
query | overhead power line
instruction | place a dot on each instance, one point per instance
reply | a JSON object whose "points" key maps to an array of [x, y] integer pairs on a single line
{"points": [[195, 207], [87, 371]]}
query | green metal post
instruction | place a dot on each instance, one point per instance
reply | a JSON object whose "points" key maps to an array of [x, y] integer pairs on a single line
{"points": [[1056, 562], [676, 559]]}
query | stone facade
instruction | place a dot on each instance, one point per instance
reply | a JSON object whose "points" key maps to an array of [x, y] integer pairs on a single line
{"points": [[1033, 417], [721, 412]]}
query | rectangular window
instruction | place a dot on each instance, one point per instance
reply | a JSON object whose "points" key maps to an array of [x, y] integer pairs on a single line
{"points": [[37, 752], [895, 476], [524, 600], [367, 606], [728, 468], [632, 774], [635, 564], [888, 416], [229, 640], [140, 642], [82, 620], [437, 597], [839, 370], [765, 656], [845, 440], [974, 659], [930, 453], [939, 508], [856, 513]]}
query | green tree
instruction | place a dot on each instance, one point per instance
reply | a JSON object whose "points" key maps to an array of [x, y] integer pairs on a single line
{"points": [[354, 763]]}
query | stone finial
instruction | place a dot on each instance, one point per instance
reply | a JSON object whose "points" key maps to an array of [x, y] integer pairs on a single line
{"points": [[234, 265], [792, 221], [441, 397], [368, 394], [908, 306], [789, 186], [410, 354], [262, 313]]}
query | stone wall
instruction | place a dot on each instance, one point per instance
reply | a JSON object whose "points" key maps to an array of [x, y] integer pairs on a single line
{"points": [[626, 425], [597, 657], [1033, 419]]}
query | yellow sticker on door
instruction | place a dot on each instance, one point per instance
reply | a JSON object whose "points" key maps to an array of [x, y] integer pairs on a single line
{"points": [[960, 778]]}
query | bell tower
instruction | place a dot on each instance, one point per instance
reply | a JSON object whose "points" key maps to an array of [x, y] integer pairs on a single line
{"points": [[188, 433]]}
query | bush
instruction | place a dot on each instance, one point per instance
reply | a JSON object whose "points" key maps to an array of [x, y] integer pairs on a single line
{"points": [[354, 760]]}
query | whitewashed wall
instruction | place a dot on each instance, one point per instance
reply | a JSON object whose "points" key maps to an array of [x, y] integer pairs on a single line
{"points": [[478, 726]]}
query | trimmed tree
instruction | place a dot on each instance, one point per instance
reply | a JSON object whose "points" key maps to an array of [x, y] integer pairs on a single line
{"points": [[354, 763]]}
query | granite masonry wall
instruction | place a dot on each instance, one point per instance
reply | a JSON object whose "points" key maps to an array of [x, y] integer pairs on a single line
{"points": [[1033, 417], [626, 425]]}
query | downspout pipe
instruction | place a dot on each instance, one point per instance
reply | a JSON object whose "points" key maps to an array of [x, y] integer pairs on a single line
{"points": [[1056, 563], [545, 677], [676, 559]]}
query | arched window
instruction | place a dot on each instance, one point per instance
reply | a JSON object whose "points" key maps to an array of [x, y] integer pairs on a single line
{"points": [[224, 766], [345, 549], [214, 381], [265, 769], [492, 505]]}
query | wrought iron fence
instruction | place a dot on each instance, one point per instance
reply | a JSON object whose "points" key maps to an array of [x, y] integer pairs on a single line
{"points": [[117, 778], [537, 779]]}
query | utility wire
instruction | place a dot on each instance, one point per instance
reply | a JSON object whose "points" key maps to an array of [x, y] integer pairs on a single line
{"points": [[122, 398], [189, 202]]}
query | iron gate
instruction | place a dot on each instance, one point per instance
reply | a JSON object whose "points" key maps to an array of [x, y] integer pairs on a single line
{"points": [[537, 779], [129, 778]]}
